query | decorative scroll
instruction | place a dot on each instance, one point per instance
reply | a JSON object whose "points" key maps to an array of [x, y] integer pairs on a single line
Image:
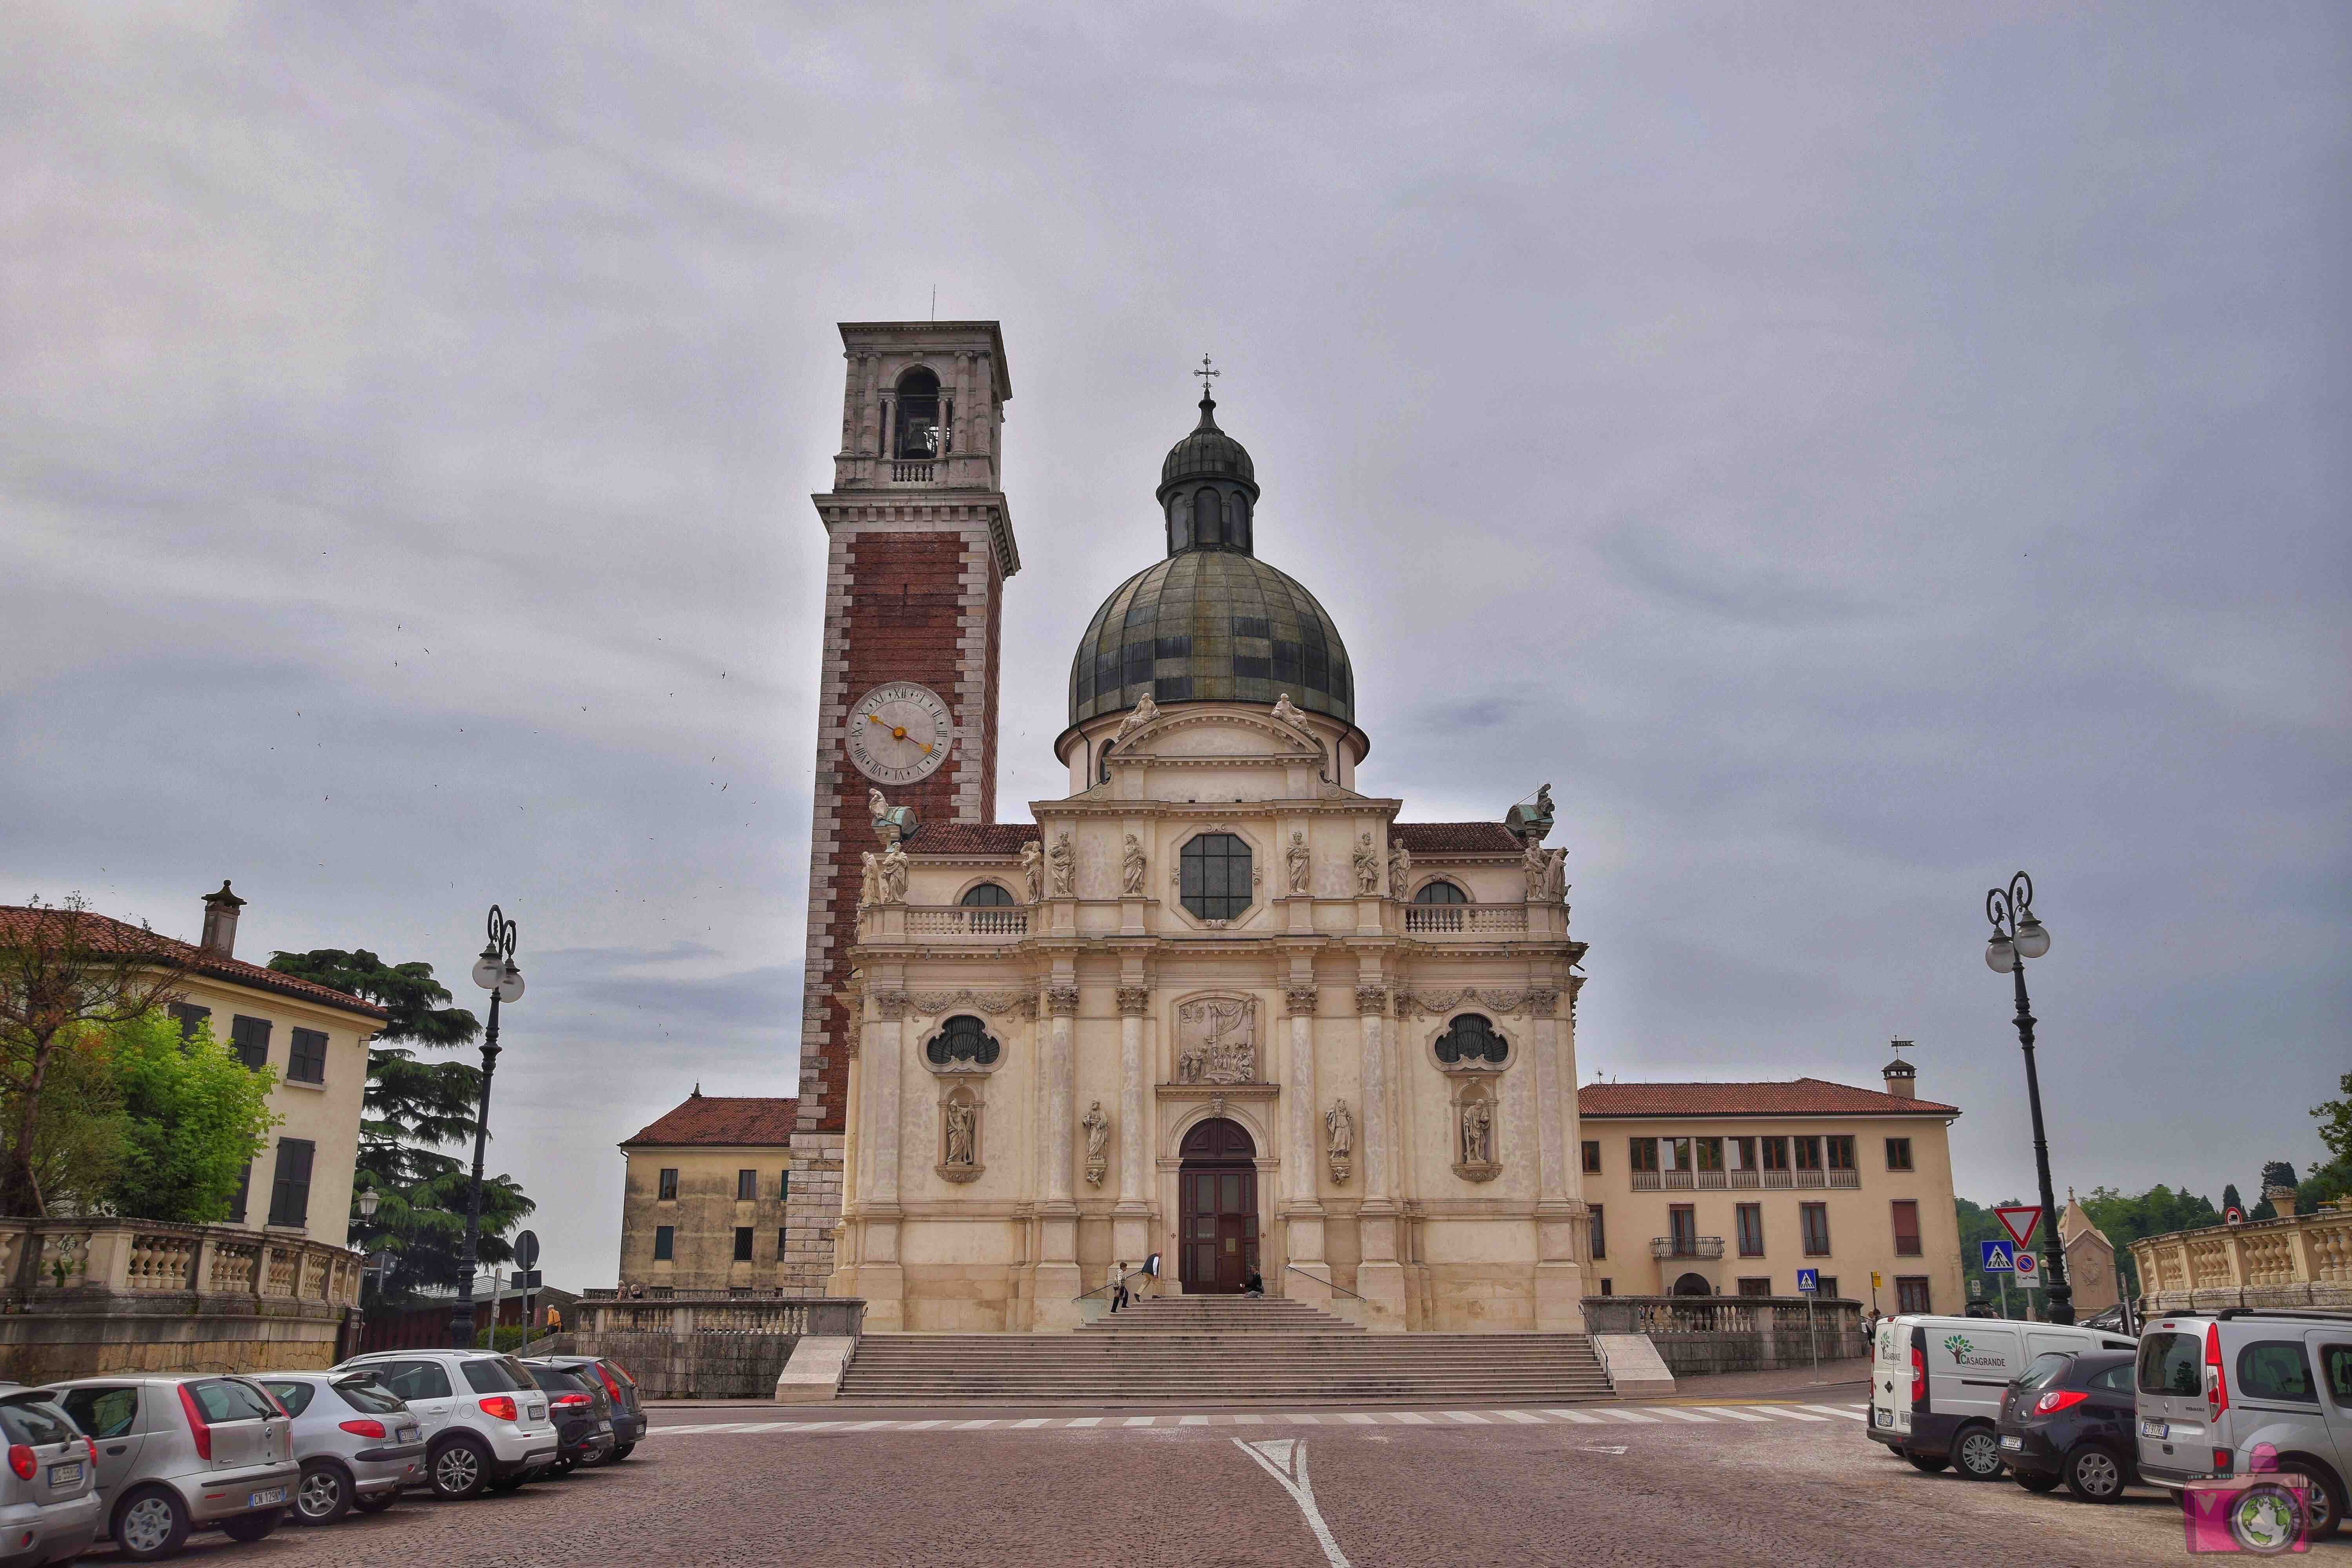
{"points": [[995, 1004], [1435, 1004]]}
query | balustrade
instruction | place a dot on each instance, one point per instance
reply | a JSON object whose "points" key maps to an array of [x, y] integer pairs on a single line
{"points": [[992, 923]]}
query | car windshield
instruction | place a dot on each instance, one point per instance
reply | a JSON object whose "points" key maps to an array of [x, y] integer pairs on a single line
{"points": [[37, 1420], [102, 1412], [555, 1380], [494, 1375], [294, 1396], [224, 1400], [361, 1393], [2044, 1368]]}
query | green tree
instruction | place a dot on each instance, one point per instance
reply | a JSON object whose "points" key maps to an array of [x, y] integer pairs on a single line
{"points": [[2336, 1120], [2229, 1200], [78, 1138], [416, 1110], [1982, 1224], [196, 1118], [2126, 1218]]}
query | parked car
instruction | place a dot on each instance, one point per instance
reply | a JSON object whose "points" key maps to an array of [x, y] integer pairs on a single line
{"points": [[1935, 1383], [179, 1452], [49, 1507], [581, 1411], [485, 1420], [2070, 1417], [629, 1421], [2218, 1392], [358, 1445]]}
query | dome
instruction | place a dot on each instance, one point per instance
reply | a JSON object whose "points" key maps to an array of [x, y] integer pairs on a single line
{"points": [[1210, 625], [1208, 453]]}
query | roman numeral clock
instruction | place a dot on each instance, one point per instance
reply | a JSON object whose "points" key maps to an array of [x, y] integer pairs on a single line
{"points": [[899, 733]]}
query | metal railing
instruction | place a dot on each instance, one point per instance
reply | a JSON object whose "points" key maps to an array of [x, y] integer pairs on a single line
{"points": [[1336, 1289], [1665, 1246], [1845, 1178]]}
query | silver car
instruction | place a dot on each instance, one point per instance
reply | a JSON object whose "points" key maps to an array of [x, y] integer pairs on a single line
{"points": [[49, 1511], [357, 1443], [178, 1452], [2227, 1395]]}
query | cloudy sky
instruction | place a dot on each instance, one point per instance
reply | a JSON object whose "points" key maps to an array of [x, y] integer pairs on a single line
{"points": [[1853, 452]]}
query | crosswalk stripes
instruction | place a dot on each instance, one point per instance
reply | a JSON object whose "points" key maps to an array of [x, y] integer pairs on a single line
{"points": [[1597, 1415]]}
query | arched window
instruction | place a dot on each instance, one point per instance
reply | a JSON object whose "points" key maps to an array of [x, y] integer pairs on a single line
{"points": [[1179, 524], [1440, 892], [962, 1038], [1214, 876], [1102, 774], [1237, 520], [920, 435], [1208, 517], [987, 896], [1471, 1038]]}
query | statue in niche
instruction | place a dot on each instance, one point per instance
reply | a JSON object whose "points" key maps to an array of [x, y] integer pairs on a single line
{"points": [[1477, 1131], [1286, 712], [963, 1133], [1033, 869], [894, 874], [1064, 859], [1098, 1126], [1368, 868], [1131, 868], [1340, 1133], [1144, 713], [1400, 869], [1297, 858], [1217, 1036], [869, 882]]}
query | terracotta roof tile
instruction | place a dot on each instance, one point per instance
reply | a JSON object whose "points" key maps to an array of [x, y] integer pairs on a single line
{"points": [[972, 838], [722, 1118], [1444, 838], [1802, 1097], [108, 934]]}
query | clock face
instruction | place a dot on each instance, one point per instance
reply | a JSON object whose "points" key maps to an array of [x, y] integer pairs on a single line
{"points": [[899, 733]]}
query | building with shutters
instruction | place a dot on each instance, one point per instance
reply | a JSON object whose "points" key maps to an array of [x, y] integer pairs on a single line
{"points": [[706, 1198]]}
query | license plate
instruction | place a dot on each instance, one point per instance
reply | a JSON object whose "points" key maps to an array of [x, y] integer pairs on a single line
{"points": [[2157, 1429], [263, 1499], [411, 1434], [539, 1412], [2010, 1444], [65, 1474]]}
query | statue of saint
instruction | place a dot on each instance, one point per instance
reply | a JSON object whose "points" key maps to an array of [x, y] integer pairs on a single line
{"points": [[894, 874], [963, 1124], [1144, 713], [1477, 1133], [1131, 868], [1033, 869], [1064, 859], [1400, 869], [1340, 1128], [876, 807], [1288, 712], [1098, 1126], [1295, 858], [870, 884], [1368, 868], [1536, 865]]}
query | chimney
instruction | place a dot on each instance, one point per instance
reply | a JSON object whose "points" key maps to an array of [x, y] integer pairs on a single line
{"points": [[1898, 1074], [220, 921]]}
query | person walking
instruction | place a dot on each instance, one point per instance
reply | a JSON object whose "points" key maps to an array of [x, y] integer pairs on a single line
{"points": [[1119, 1295]]}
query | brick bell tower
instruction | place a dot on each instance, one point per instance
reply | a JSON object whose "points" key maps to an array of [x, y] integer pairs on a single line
{"points": [[920, 543]]}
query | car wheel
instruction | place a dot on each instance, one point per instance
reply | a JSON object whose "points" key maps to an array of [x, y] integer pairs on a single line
{"points": [[458, 1469], [620, 1453], [2326, 1508], [151, 1523], [1976, 1453], [1925, 1464], [323, 1495], [253, 1526], [376, 1502], [2095, 1475], [2034, 1483]]}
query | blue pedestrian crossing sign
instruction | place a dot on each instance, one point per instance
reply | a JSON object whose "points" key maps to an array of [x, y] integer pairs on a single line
{"points": [[2000, 1256], [1808, 1280]]}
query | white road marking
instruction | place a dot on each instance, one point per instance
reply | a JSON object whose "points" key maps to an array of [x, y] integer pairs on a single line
{"points": [[1031, 1423], [1408, 1418], [1833, 1410], [916, 1425], [1634, 1415], [1306, 1420], [1646, 1415], [1786, 1414], [1673, 1415], [869, 1427], [1249, 1420], [1577, 1415], [1358, 1418], [1285, 1459], [973, 1426], [1725, 1410], [1138, 1421], [1192, 1421], [1468, 1420], [1086, 1421]]}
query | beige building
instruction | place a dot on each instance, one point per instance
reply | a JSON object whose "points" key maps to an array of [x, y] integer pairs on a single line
{"points": [[1730, 1188], [704, 1196], [317, 1039]]}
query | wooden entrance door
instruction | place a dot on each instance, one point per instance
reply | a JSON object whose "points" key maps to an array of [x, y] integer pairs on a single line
{"points": [[1216, 1197]]}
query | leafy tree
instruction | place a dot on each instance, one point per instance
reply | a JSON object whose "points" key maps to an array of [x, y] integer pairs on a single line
{"points": [[2126, 1218], [2326, 1184], [196, 1118], [2229, 1200], [2335, 1120], [78, 1138], [64, 969], [2275, 1173], [417, 1110], [1982, 1224]]}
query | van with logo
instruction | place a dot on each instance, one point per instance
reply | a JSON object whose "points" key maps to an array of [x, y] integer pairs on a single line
{"points": [[1935, 1383]]}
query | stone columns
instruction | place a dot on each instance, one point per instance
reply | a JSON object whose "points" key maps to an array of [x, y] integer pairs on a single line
{"points": [[1303, 1157], [1131, 1220], [1560, 1207], [1057, 1263], [1380, 1277], [879, 1276]]}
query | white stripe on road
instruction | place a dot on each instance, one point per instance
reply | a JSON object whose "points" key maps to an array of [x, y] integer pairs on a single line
{"points": [[1249, 1420], [1088, 1421], [1577, 1416], [1727, 1410], [970, 1425], [1649, 1416], [1468, 1420], [1285, 1459], [920, 1425], [1358, 1418], [1519, 1415], [1306, 1420], [1410, 1418], [1030, 1425], [1833, 1410], [1786, 1414], [1671, 1414], [1138, 1421], [1632, 1416]]}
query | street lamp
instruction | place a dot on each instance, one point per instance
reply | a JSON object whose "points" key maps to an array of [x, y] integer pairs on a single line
{"points": [[494, 972], [2017, 936]]}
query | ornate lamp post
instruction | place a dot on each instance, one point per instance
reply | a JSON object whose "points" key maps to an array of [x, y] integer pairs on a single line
{"points": [[494, 972], [2016, 937]]}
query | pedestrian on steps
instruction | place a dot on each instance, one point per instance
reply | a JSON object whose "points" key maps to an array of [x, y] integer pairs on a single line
{"points": [[1118, 1297], [1254, 1285]]}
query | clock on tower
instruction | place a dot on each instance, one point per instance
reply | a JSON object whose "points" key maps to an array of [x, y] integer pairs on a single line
{"points": [[920, 543]]}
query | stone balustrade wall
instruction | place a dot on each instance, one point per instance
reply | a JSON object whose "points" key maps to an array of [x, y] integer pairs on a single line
{"points": [[708, 1344], [2300, 1260], [1698, 1334]]}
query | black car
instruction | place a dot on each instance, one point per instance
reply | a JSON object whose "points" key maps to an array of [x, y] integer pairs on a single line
{"points": [[581, 1412], [628, 1415], [2069, 1418]]}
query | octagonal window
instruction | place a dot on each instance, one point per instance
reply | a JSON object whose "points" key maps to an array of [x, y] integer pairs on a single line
{"points": [[1213, 874]]}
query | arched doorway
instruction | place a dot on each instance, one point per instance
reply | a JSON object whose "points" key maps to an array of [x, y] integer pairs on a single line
{"points": [[1216, 1199], [1693, 1285]]}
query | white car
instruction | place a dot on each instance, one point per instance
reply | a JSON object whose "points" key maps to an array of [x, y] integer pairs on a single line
{"points": [[357, 1445], [484, 1419], [1935, 1383]]}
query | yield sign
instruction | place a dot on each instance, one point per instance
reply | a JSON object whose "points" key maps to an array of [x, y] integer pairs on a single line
{"points": [[2020, 1221]]}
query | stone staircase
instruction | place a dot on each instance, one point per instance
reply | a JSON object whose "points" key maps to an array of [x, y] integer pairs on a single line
{"points": [[1219, 1351]]}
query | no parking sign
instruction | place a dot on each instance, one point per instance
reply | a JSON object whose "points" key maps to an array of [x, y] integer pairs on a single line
{"points": [[2028, 1267]]}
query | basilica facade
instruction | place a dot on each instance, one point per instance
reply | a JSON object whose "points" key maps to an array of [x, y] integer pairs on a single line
{"points": [[1216, 1005]]}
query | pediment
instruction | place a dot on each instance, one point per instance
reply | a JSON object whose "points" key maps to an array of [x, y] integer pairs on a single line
{"points": [[1221, 733]]}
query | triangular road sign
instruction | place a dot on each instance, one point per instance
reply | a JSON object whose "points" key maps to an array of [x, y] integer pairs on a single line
{"points": [[2021, 1221]]}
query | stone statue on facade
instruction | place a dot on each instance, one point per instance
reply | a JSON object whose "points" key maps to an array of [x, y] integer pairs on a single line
{"points": [[1144, 713], [1217, 1040], [1340, 1133], [1400, 869], [1033, 869], [1477, 1132], [1297, 858], [1064, 860], [1368, 868], [1131, 868], [894, 869], [1287, 712], [1536, 867], [963, 1127], [1556, 878], [1098, 1126], [869, 882]]}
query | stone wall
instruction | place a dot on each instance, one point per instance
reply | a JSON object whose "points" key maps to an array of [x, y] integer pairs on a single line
{"points": [[1698, 1334], [2297, 1260], [707, 1346], [87, 1297]]}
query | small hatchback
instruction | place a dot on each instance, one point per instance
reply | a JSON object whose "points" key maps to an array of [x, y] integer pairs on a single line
{"points": [[2070, 1418], [50, 1508], [581, 1411], [2222, 1394], [357, 1445], [177, 1453], [628, 1413]]}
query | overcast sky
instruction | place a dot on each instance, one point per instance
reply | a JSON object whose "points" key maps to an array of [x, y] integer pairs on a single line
{"points": [[1852, 453]]}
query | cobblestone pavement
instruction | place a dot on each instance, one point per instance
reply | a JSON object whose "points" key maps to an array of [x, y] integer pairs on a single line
{"points": [[1393, 1494]]}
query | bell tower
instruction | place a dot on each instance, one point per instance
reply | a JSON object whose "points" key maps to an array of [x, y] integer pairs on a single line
{"points": [[920, 544]]}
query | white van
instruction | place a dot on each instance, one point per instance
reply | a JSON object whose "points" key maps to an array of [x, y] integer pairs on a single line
{"points": [[1935, 1383]]}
